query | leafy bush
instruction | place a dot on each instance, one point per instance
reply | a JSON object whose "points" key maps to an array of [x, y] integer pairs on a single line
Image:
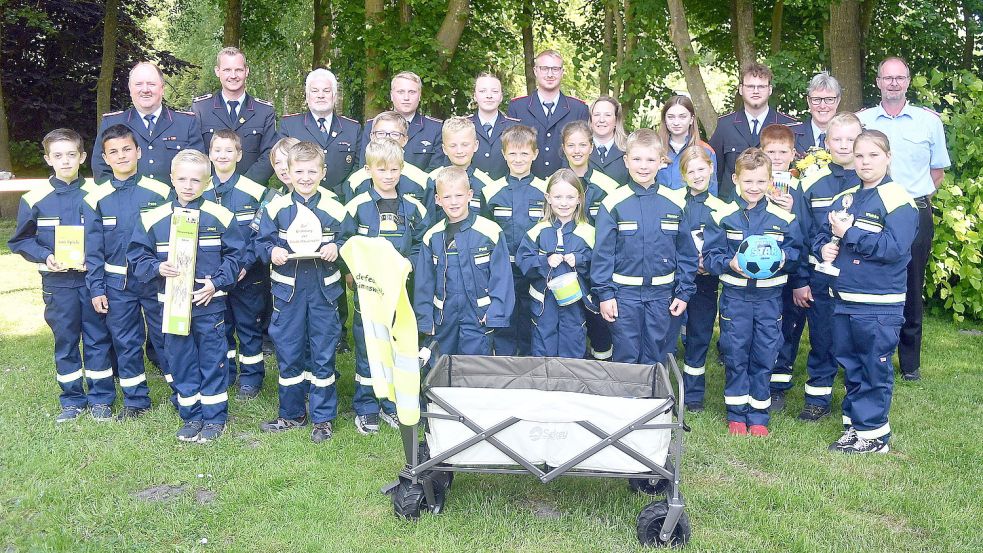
{"points": [[954, 281]]}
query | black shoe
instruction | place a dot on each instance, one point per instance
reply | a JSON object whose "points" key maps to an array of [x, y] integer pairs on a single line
{"points": [[848, 438], [389, 418], [343, 347], [863, 445], [268, 348], [813, 412], [367, 424], [777, 402], [247, 392], [321, 432], [101, 412], [189, 432], [694, 407], [131, 413], [912, 376], [281, 424], [69, 413], [210, 433]]}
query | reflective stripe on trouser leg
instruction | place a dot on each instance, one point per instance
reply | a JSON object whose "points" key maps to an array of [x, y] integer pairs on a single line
{"points": [[288, 330], [230, 339], [126, 325], [865, 354], [63, 314], [793, 323], [702, 312], [599, 332], [324, 335], [821, 363], [214, 376], [97, 346], [364, 400], [247, 306], [766, 341], [736, 325]]}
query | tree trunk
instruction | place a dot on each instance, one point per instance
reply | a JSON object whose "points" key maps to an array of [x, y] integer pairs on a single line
{"points": [[846, 61], [528, 52], [619, 51], [776, 26], [742, 32], [104, 85], [867, 8], [969, 46], [607, 53], [232, 35], [405, 12], [5, 164], [679, 32], [322, 34], [629, 99], [449, 35], [373, 71]]}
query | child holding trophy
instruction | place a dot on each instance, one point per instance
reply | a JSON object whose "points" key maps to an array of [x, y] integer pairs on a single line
{"points": [[195, 245]]}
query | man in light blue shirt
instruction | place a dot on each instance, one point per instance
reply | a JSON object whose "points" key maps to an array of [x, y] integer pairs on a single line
{"points": [[918, 161]]}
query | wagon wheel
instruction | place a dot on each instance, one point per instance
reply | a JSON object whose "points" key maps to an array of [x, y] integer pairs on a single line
{"points": [[442, 478], [408, 500], [650, 522]]}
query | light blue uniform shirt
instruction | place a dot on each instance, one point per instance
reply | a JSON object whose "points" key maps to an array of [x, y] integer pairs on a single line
{"points": [[917, 145]]}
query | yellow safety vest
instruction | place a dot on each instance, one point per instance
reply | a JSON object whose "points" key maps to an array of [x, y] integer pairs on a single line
{"points": [[380, 274]]}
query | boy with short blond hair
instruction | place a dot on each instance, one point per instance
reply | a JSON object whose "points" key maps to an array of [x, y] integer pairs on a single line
{"points": [[463, 278], [516, 203], [400, 219], [413, 180], [306, 286], [197, 359], [459, 140], [68, 309]]}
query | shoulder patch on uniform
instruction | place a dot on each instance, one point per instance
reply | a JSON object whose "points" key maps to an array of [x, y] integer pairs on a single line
{"points": [[357, 178], [434, 119], [483, 177], [576, 99], [507, 118], [492, 188], [619, 195], [519, 98], [98, 192], [152, 217], [416, 203], [415, 174], [251, 187], [677, 197], [813, 177], [37, 194], [604, 182], [202, 97], [188, 113], [289, 115], [352, 206], [786, 216], [435, 173], [154, 186], [851, 190], [727, 115], [329, 204], [488, 228], [533, 233], [439, 227], [715, 203], [264, 102], [112, 113], [586, 232], [218, 211], [349, 119], [278, 203], [538, 184], [725, 209], [894, 196]]}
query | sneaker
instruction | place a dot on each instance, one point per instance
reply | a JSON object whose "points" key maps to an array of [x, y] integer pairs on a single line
{"points": [[69, 413], [758, 430], [390, 418], [777, 402], [848, 438], [813, 413], [737, 428], [189, 432], [912, 376], [367, 424], [281, 424], [694, 407], [863, 445], [210, 433], [131, 413], [247, 392], [101, 412], [321, 432]]}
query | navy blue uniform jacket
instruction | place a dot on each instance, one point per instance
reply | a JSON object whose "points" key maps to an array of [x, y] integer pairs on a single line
{"points": [[529, 111], [255, 124], [173, 131]]}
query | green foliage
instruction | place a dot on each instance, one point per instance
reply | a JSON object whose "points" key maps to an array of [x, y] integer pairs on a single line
{"points": [[27, 158], [955, 272]]}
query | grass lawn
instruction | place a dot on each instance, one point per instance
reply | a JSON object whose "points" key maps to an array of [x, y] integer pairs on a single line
{"points": [[87, 486]]}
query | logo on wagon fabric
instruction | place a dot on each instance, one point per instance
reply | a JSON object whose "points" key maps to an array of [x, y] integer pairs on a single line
{"points": [[537, 433]]}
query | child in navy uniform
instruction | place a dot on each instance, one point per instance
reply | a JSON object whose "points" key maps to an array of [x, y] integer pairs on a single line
{"points": [[68, 309]]}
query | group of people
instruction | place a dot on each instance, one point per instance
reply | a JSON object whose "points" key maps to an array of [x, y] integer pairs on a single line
{"points": [[492, 209]]}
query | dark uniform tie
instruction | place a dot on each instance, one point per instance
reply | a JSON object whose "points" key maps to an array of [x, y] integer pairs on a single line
{"points": [[320, 125], [549, 109], [487, 128], [233, 112], [754, 129], [150, 122], [602, 152], [822, 140]]}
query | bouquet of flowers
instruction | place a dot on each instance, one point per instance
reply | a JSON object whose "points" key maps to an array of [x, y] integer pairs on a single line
{"points": [[815, 159]]}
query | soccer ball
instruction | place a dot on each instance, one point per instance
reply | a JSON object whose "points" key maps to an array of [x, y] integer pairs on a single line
{"points": [[759, 256]]}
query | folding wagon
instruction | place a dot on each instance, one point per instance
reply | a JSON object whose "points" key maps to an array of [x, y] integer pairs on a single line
{"points": [[549, 417]]}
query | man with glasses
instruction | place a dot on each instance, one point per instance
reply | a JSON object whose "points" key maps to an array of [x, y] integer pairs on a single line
{"points": [[254, 120], [548, 111], [422, 147], [918, 161], [741, 129], [823, 98], [337, 135]]}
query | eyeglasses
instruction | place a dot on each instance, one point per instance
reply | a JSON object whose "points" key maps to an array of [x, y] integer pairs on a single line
{"points": [[756, 86], [395, 135], [828, 100], [550, 70], [892, 80]]}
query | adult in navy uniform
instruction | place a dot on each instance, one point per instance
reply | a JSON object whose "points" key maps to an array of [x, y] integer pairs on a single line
{"points": [[254, 120], [547, 111], [740, 130], [823, 98], [423, 145], [337, 135], [490, 123], [607, 125], [160, 131]]}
